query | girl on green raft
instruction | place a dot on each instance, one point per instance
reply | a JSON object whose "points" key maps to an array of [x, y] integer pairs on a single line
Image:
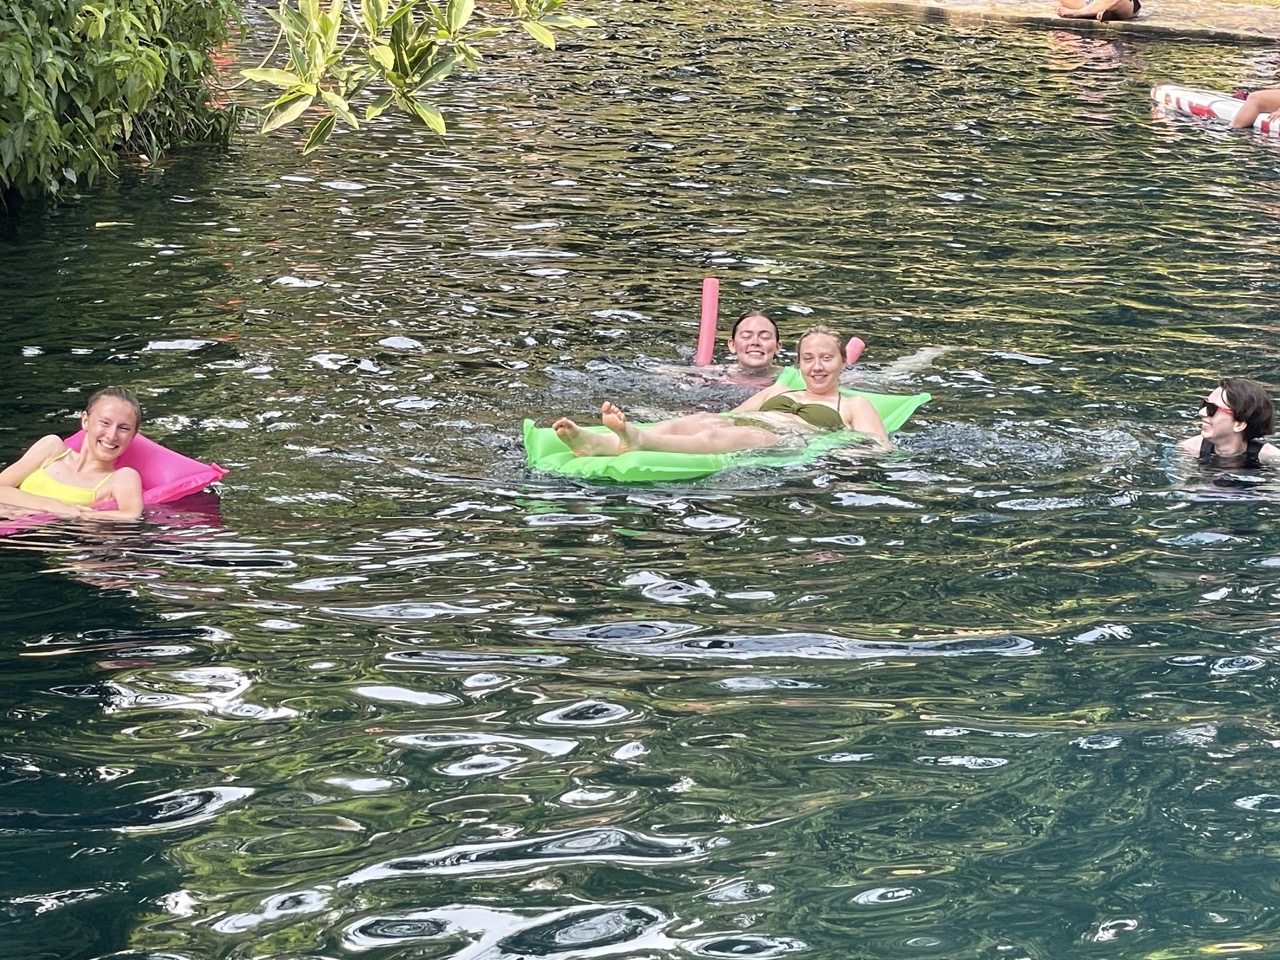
{"points": [[772, 416]]}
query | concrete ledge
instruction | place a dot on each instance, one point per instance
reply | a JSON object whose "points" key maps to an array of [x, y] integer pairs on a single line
{"points": [[1189, 19]]}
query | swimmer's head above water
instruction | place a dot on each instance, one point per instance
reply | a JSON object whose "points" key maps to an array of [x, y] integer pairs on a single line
{"points": [[753, 343], [1252, 412]]}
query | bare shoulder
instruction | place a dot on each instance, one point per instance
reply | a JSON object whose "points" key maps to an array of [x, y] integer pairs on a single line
{"points": [[858, 413], [42, 449], [47, 446], [1191, 446], [127, 477], [1269, 453], [36, 454]]}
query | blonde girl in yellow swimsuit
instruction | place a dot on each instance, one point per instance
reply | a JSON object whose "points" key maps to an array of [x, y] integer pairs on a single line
{"points": [[53, 478]]}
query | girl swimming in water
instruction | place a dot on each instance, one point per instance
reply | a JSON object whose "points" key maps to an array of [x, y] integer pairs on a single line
{"points": [[1234, 418], [52, 477]]}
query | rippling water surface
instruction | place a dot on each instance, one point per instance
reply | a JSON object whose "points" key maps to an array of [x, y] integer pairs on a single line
{"points": [[1005, 693]]}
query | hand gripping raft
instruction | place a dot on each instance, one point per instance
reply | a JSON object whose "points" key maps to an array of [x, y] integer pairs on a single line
{"points": [[546, 451]]}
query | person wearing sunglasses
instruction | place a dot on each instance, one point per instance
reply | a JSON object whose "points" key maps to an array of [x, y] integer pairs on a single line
{"points": [[1234, 418]]}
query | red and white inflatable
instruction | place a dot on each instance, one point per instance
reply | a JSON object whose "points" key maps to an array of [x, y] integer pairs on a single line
{"points": [[1211, 105]]}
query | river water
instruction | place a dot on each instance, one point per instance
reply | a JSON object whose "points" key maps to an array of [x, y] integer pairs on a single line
{"points": [[1005, 693]]}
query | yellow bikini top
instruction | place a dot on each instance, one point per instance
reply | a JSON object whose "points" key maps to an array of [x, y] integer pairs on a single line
{"points": [[42, 485]]}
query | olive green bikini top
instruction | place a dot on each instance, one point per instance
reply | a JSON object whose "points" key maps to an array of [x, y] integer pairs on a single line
{"points": [[815, 414]]}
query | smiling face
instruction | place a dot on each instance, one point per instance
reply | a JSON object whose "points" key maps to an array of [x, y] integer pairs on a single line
{"points": [[110, 425], [1221, 427], [821, 361], [754, 342]]}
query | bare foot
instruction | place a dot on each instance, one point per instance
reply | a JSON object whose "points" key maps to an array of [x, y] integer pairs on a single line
{"points": [[613, 418], [584, 443]]}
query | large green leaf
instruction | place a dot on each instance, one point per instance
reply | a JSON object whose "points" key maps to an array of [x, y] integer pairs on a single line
{"points": [[459, 14], [319, 134], [539, 33], [376, 108], [287, 113], [438, 70], [381, 54], [279, 78], [340, 107], [402, 11], [429, 115]]}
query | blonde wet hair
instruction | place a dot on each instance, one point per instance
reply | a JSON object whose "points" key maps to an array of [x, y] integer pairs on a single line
{"points": [[116, 393], [824, 329]]}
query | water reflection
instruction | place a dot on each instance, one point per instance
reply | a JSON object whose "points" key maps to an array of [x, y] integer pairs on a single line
{"points": [[399, 695]]}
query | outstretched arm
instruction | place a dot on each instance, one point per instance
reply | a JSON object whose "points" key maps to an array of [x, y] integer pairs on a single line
{"points": [[1191, 446]]}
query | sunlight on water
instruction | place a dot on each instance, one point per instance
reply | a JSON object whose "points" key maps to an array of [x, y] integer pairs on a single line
{"points": [[1003, 693]]}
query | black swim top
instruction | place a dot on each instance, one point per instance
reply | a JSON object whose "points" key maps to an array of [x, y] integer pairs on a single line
{"points": [[815, 414], [1252, 455]]}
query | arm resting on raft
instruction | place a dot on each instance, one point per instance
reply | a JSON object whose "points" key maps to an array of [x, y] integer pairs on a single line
{"points": [[125, 488], [18, 471], [124, 485]]}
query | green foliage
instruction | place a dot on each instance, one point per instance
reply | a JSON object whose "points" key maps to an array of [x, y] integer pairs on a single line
{"points": [[83, 82], [385, 54]]}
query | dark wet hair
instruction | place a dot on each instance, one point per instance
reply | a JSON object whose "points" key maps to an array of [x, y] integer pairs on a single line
{"points": [[1250, 403], [115, 393], [822, 328], [751, 314]]}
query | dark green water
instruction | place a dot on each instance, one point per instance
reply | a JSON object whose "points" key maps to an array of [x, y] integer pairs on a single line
{"points": [[1007, 693]]}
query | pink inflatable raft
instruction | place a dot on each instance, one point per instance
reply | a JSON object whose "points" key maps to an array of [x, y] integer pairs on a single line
{"points": [[1209, 105]]}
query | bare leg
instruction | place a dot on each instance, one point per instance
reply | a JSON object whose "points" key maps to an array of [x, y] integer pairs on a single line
{"points": [[585, 443], [1097, 9], [1256, 104], [627, 436], [700, 433], [918, 362]]}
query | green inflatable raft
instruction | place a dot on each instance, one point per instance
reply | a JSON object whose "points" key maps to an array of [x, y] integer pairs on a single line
{"points": [[546, 451]]}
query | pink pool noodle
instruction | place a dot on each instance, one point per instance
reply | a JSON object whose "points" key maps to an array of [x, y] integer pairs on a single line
{"points": [[707, 326], [853, 349]]}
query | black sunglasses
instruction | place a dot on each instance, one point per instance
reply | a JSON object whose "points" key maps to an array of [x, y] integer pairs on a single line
{"points": [[1210, 407]]}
